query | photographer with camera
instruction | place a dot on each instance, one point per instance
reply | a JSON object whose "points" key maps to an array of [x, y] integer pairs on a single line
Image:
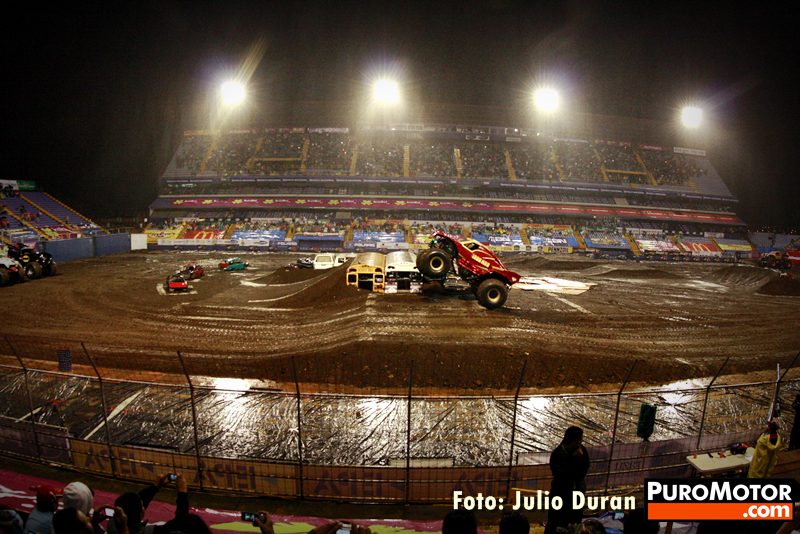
{"points": [[135, 504]]}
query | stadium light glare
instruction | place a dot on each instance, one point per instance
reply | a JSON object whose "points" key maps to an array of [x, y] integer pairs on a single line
{"points": [[386, 91], [233, 93], [546, 99], [691, 116]]}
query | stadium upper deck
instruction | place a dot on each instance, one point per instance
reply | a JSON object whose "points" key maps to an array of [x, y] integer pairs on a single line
{"points": [[485, 167]]}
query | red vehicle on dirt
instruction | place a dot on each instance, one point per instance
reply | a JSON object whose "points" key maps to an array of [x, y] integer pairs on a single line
{"points": [[192, 271], [473, 262], [176, 282]]}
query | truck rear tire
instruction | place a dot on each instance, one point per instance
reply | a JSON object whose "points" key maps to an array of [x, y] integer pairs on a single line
{"points": [[5, 278], [492, 293], [33, 271], [434, 263]]}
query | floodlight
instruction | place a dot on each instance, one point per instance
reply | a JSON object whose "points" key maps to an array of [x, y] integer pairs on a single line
{"points": [[232, 93], [691, 116], [386, 91], [546, 99]]}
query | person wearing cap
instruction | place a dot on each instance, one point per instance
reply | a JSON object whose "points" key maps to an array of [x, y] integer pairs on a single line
{"points": [[78, 495], [40, 520], [766, 455]]}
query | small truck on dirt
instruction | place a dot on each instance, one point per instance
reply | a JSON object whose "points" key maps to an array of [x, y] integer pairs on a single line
{"points": [[473, 262], [34, 264]]}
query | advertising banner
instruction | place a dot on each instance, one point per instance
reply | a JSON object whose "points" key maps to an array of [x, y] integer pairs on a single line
{"points": [[650, 245]]}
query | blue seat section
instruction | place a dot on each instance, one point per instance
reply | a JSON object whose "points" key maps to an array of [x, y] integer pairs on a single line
{"points": [[57, 209], [15, 204]]}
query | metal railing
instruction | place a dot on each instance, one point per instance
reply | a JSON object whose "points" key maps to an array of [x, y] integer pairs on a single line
{"points": [[241, 436]]}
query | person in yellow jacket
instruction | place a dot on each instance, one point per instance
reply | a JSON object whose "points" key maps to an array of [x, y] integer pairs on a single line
{"points": [[766, 455]]}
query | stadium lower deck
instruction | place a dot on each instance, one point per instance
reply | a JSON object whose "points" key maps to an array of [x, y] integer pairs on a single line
{"points": [[677, 320]]}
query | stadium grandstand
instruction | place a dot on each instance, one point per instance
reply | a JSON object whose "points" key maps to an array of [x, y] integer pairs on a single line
{"points": [[387, 187], [30, 216]]}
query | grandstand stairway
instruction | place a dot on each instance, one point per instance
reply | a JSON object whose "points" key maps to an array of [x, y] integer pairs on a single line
{"points": [[24, 224], [512, 174], [650, 177], [212, 146], [303, 154], [354, 160], [406, 161], [554, 158], [457, 159], [602, 169], [523, 233], [229, 231], [634, 245], [45, 211], [63, 211], [579, 239], [407, 232]]}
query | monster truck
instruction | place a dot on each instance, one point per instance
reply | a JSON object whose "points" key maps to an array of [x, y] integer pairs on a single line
{"points": [[10, 272], [777, 259], [34, 264], [473, 262]]}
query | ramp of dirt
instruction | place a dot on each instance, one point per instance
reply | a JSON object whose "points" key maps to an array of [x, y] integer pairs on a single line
{"points": [[628, 272], [781, 286], [740, 275]]}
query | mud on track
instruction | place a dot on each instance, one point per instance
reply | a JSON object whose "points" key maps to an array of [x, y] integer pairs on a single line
{"points": [[681, 320]]}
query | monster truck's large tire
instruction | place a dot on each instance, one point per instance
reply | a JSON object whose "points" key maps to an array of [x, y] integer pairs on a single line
{"points": [[33, 270], [51, 269], [492, 293], [5, 278], [434, 263]]}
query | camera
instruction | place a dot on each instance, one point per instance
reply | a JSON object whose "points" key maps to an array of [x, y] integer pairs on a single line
{"points": [[251, 517], [172, 477], [346, 528], [108, 511]]}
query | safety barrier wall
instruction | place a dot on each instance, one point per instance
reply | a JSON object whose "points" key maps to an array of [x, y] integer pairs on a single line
{"points": [[309, 445], [111, 244], [70, 249], [87, 247]]}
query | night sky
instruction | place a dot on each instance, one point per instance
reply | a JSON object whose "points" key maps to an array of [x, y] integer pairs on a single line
{"points": [[97, 97]]}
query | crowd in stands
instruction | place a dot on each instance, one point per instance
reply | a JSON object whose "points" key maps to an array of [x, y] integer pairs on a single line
{"points": [[483, 160], [192, 152], [380, 157], [232, 153], [618, 157], [534, 162], [387, 227], [579, 162], [320, 225], [256, 153], [329, 152], [281, 145], [431, 159]]}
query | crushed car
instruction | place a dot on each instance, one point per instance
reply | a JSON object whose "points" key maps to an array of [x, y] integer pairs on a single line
{"points": [[233, 264]]}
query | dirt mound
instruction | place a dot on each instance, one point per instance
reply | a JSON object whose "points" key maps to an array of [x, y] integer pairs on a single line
{"points": [[538, 263], [290, 275], [329, 288], [740, 275], [783, 285], [629, 272]]}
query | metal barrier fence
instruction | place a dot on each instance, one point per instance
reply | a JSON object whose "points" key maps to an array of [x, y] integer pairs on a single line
{"points": [[232, 435]]}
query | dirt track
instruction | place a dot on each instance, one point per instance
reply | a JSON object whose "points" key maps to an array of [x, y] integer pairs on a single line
{"points": [[680, 320]]}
